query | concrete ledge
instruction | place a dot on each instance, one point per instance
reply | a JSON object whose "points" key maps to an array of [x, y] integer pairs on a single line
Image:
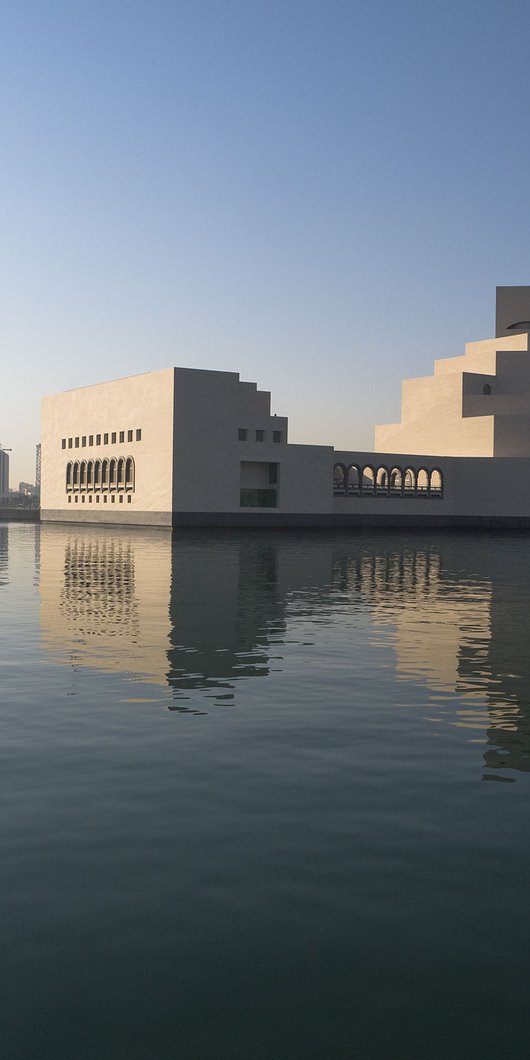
{"points": [[346, 521], [106, 518]]}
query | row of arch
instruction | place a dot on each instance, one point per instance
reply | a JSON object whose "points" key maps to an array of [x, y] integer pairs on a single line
{"points": [[100, 475], [354, 480]]}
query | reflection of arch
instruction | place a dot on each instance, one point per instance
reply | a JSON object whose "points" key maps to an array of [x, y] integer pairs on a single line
{"points": [[339, 478], [436, 482], [368, 479], [129, 473], [112, 474], [381, 480], [409, 481], [105, 475], [75, 476], [121, 473], [422, 484], [396, 480], [354, 479], [69, 476]]}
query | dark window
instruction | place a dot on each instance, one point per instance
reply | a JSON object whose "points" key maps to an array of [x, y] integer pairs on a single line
{"points": [[113, 438], [98, 439], [63, 443], [276, 436], [77, 443], [256, 498], [105, 439], [139, 434], [242, 434], [260, 436], [486, 389], [69, 443], [122, 436], [91, 439], [83, 440], [273, 474], [129, 436]]}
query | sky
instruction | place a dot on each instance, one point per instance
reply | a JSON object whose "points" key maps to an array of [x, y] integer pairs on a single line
{"points": [[318, 194]]}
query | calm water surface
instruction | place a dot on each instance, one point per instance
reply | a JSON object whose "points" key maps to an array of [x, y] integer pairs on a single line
{"points": [[264, 795]]}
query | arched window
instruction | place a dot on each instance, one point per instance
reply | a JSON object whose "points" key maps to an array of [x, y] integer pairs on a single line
{"points": [[69, 476], [129, 473], [381, 480], [423, 481], [486, 389], [82, 475], [396, 480], [105, 475], [75, 476], [90, 475], [112, 474], [97, 475], [436, 483], [368, 479], [354, 479], [121, 473], [339, 478], [410, 480]]}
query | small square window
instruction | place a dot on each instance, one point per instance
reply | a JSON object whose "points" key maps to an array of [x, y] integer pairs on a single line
{"points": [[97, 499], [139, 434], [69, 500], [76, 443], [90, 499], [105, 499], [76, 499], [98, 439], [105, 439], [113, 498], [129, 498], [121, 498], [113, 437], [276, 436], [260, 436], [69, 443], [242, 434], [83, 498], [122, 436], [83, 441], [91, 439], [129, 436], [63, 443]]}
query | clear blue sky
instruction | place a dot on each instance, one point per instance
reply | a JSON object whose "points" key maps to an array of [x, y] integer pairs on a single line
{"points": [[319, 194]]}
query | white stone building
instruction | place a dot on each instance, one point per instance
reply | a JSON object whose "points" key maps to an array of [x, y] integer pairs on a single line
{"points": [[183, 446]]}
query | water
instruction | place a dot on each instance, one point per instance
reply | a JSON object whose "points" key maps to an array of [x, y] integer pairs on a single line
{"points": [[264, 795]]}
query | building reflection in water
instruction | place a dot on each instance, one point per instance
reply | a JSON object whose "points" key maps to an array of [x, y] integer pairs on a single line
{"points": [[199, 612], [4, 542]]}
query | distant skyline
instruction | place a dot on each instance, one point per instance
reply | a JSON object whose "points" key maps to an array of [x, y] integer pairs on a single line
{"points": [[321, 196]]}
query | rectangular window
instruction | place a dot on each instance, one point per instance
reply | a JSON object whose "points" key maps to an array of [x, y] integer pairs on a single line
{"points": [[129, 436], [69, 443], [63, 443], [83, 441], [91, 439], [105, 439], [113, 437], [242, 434], [98, 439], [122, 436], [273, 474], [139, 434], [276, 436], [69, 500], [260, 436], [97, 498], [76, 443], [256, 498], [128, 498]]}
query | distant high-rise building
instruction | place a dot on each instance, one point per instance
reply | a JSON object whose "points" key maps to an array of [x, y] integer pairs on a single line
{"points": [[37, 467], [4, 472]]}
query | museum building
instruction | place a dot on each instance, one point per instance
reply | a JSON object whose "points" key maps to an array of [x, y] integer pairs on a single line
{"points": [[183, 446]]}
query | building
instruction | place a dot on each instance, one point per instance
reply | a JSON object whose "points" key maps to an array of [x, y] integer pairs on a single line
{"points": [[183, 446], [4, 473]]}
